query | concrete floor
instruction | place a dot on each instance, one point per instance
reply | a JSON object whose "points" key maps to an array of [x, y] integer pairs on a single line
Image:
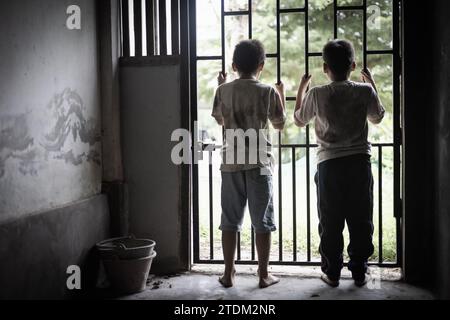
{"points": [[296, 284]]}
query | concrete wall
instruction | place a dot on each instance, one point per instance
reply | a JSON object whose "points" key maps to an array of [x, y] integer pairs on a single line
{"points": [[427, 145], [36, 251], [50, 151], [150, 111], [418, 112], [50, 144], [441, 95]]}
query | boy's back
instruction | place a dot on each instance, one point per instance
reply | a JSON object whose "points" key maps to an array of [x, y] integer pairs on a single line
{"points": [[344, 175], [248, 104], [341, 110]]}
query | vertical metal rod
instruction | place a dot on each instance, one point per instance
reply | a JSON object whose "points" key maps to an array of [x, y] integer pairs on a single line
{"points": [[397, 125], [336, 15], [380, 204], [138, 27], [125, 29], [162, 28], [294, 206], [211, 208], [222, 30], [194, 117], [150, 27], [250, 36], [308, 197], [175, 14], [250, 20], [365, 34], [280, 200], [239, 246], [307, 37], [308, 203], [253, 244], [185, 108], [278, 44]]}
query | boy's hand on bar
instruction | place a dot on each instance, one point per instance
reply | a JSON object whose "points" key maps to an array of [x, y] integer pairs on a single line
{"points": [[305, 82], [222, 78], [280, 87], [366, 76]]}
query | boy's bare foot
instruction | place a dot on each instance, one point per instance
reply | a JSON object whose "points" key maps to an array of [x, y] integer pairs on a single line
{"points": [[227, 280], [268, 281], [330, 282]]}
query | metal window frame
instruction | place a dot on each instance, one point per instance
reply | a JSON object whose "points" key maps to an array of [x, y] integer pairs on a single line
{"points": [[396, 145]]}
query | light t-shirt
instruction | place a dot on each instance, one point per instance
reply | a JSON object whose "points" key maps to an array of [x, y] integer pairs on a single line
{"points": [[341, 110], [242, 105]]}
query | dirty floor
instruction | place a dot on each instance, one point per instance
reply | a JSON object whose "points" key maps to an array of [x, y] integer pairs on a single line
{"points": [[296, 284]]}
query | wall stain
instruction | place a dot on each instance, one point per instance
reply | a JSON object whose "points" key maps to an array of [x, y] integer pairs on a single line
{"points": [[69, 128], [16, 144], [67, 139]]}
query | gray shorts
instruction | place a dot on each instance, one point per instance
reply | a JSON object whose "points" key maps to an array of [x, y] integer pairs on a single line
{"points": [[237, 188]]}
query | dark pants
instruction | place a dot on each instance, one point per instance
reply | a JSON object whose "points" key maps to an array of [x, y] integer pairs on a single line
{"points": [[345, 194]]}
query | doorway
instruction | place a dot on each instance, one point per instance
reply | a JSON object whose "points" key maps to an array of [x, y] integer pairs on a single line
{"points": [[294, 32]]}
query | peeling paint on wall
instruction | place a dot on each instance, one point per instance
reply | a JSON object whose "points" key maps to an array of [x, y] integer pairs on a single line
{"points": [[71, 133], [16, 144], [72, 138]]}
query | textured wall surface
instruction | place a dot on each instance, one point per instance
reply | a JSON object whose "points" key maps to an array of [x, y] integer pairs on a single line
{"points": [[36, 251], [50, 148], [442, 153], [50, 151], [150, 103]]}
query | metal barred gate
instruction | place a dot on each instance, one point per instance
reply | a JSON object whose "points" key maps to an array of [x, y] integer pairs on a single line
{"points": [[292, 32]]}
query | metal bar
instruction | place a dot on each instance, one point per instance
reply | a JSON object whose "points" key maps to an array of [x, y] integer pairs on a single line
{"points": [[280, 188], [291, 263], [380, 204], [365, 34], [272, 55], [175, 14], [150, 27], [335, 21], [379, 52], [125, 29], [222, 31], [293, 10], [236, 13], [397, 125], [253, 243], [278, 43], [308, 195], [211, 208], [185, 109], [314, 54], [307, 55], [239, 246], [138, 27], [250, 22], [209, 58], [299, 145], [162, 28], [294, 206], [194, 117]]}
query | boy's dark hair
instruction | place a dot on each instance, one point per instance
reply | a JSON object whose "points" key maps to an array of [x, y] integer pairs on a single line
{"points": [[248, 55], [339, 56]]}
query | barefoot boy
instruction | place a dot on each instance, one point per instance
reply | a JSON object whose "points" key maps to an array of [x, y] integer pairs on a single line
{"points": [[344, 177], [247, 105]]}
